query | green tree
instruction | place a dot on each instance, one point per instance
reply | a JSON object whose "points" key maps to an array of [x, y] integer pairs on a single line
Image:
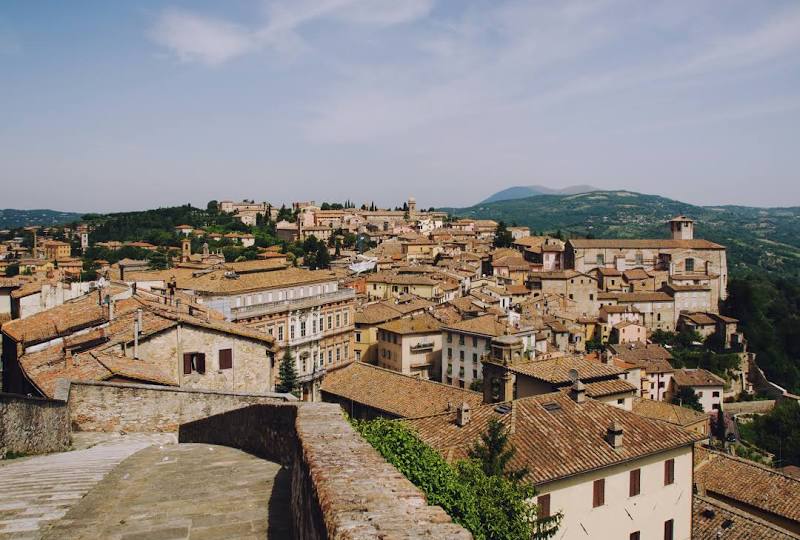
{"points": [[288, 374], [212, 207], [494, 452], [686, 397], [12, 270], [502, 236], [778, 432]]}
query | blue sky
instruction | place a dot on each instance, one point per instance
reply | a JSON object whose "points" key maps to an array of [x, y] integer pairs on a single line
{"points": [[123, 105]]}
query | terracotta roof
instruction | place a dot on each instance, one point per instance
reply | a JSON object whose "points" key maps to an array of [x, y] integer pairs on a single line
{"points": [[376, 314], [609, 387], [748, 483], [644, 297], [696, 377], [394, 393], [656, 243], [637, 353], [417, 304], [714, 519], [420, 324], [400, 279], [556, 370], [605, 271], [140, 370], [59, 321], [635, 273], [216, 282], [667, 412], [486, 325], [686, 288], [699, 318], [554, 436]]}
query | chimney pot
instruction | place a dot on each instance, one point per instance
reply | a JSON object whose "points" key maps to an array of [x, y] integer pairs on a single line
{"points": [[614, 434], [578, 392], [462, 415]]}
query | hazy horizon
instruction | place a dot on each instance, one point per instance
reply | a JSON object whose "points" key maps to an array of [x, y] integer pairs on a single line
{"points": [[112, 107]]}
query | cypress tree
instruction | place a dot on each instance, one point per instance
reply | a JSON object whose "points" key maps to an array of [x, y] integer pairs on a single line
{"points": [[288, 374]]}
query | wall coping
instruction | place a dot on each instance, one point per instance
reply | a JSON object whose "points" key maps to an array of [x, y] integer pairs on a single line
{"points": [[63, 386]]}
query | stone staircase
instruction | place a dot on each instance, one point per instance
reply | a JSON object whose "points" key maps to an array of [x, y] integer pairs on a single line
{"points": [[36, 491]]}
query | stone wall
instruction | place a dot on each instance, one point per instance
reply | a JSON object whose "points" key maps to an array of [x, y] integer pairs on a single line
{"points": [[32, 425], [103, 406], [341, 487], [750, 407]]}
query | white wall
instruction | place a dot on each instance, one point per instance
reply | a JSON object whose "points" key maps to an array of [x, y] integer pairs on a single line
{"points": [[621, 514]]}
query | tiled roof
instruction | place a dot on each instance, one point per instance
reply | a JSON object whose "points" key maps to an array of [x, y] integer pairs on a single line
{"points": [[637, 353], [747, 483], [609, 387], [123, 366], [486, 325], [216, 282], [699, 318], [667, 412], [696, 377], [395, 393], [635, 273], [712, 519], [557, 370], [417, 304], [376, 314], [400, 279], [564, 439], [644, 297], [59, 321], [657, 243], [420, 324]]}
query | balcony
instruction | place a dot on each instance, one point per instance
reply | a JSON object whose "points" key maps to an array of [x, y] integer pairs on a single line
{"points": [[422, 347], [259, 310]]}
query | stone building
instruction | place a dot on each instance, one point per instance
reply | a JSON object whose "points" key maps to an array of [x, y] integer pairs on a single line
{"points": [[411, 346]]}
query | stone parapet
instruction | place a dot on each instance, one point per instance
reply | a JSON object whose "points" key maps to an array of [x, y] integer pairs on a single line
{"points": [[32, 425], [341, 487]]}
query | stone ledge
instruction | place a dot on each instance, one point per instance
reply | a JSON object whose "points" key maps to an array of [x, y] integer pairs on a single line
{"points": [[341, 487]]}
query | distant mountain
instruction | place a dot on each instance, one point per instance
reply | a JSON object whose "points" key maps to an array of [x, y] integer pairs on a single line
{"points": [[11, 219], [521, 192], [756, 238]]}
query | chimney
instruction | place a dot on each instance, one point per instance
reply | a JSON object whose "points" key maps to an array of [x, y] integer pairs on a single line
{"points": [[614, 434], [462, 415], [578, 392], [111, 310], [139, 320], [136, 339], [605, 357]]}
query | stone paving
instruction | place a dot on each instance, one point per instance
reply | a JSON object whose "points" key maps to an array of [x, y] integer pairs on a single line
{"points": [[194, 491], [38, 490]]}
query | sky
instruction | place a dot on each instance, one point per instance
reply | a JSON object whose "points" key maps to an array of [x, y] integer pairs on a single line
{"points": [[108, 106]]}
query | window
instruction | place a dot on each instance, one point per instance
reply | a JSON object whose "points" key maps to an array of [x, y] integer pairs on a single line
{"points": [[591, 296], [599, 493], [338, 354], [225, 358], [338, 321], [635, 536], [669, 472], [601, 259], [689, 264], [639, 259], [280, 332], [621, 401], [475, 358], [330, 356], [291, 331], [302, 328], [449, 337], [474, 341], [461, 355], [330, 322], [358, 336], [358, 356], [461, 339], [449, 353], [314, 329], [669, 525], [635, 483], [543, 502], [346, 317], [715, 394], [194, 362]]}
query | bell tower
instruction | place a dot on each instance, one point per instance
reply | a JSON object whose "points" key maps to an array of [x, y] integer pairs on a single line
{"points": [[681, 228]]}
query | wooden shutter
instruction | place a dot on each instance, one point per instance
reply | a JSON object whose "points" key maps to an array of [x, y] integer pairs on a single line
{"points": [[225, 358], [599, 495], [669, 472], [668, 526], [635, 484], [187, 363], [201, 362], [543, 502]]}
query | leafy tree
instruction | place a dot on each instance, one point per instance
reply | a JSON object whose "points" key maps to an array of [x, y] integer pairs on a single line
{"points": [[476, 385], [12, 270], [494, 452], [285, 214], [288, 374], [325, 206], [490, 507], [158, 260], [502, 236], [779, 432], [212, 207], [686, 397]]}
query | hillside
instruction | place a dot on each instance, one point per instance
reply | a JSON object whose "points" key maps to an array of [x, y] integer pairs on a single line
{"points": [[756, 238], [12, 219], [521, 192]]}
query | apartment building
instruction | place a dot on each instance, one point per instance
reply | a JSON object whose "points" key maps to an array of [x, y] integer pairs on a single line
{"points": [[411, 346], [609, 472]]}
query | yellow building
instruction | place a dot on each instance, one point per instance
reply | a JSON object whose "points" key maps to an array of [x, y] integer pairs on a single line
{"points": [[54, 250]]}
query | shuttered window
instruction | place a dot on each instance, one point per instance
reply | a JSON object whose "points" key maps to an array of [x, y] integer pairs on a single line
{"points": [[543, 502], [225, 358], [200, 362], [635, 483], [669, 525], [669, 472], [635, 536], [187, 363], [599, 493], [194, 362]]}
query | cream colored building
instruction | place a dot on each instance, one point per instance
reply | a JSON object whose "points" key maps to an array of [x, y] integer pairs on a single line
{"points": [[411, 346]]}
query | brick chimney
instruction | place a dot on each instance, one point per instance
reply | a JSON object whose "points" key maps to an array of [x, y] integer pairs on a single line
{"points": [[462, 415], [614, 434], [578, 392]]}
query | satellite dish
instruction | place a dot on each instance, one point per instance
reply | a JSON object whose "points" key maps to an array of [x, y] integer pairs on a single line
{"points": [[573, 375]]}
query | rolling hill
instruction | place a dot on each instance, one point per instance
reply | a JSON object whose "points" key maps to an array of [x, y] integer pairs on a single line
{"points": [[12, 219], [756, 238], [521, 192]]}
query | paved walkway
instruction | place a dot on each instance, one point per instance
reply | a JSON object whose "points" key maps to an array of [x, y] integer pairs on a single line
{"points": [[194, 491], [39, 490]]}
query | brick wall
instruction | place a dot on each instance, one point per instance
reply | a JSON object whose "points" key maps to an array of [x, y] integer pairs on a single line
{"points": [[102, 406], [32, 425], [341, 487]]}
